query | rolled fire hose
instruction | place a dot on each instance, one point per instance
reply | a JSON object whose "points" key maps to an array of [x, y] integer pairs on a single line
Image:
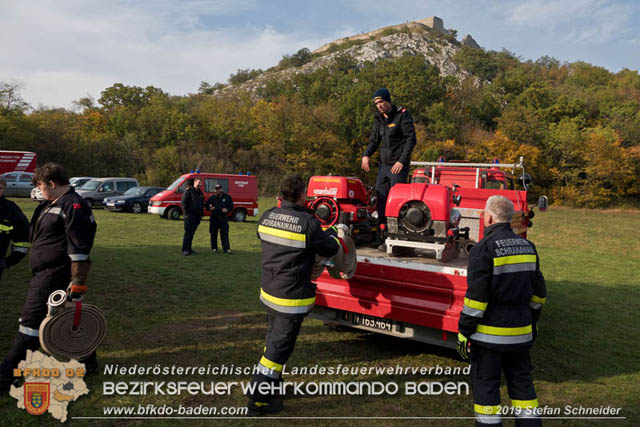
{"points": [[342, 265], [72, 329]]}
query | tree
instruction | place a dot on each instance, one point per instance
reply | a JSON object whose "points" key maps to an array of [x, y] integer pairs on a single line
{"points": [[10, 98]]}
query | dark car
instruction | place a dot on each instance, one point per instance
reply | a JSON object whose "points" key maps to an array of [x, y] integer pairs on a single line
{"points": [[134, 200]]}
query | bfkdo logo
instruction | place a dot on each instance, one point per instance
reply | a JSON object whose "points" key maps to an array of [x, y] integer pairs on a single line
{"points": [[37, 397]]}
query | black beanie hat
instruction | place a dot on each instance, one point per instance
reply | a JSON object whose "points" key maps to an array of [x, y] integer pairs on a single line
{"points": [[382, 93]]}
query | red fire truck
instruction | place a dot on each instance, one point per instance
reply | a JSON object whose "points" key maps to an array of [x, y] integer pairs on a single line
{"points": [[23, 161], [419, 292]]}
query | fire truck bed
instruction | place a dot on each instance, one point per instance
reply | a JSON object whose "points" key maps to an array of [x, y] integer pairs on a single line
{"points": [[420, 257]]}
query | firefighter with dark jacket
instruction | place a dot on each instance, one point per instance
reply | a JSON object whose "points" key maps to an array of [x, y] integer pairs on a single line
{"points": [[193, 209], [291, 237], [394, 135], [62, 231], [14, 231], [219, 204], [505, 295]]}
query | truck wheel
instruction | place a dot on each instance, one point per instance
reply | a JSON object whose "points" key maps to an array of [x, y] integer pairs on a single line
{"points": [[173, 213], [239, 215], [136, 208]]}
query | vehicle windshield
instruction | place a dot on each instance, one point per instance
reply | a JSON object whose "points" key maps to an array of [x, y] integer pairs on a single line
{"points": [[135, 191], [175, 184], [91, 185]]}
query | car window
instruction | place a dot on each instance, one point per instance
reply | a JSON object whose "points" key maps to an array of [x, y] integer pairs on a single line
{"points": [[131, 184], [91, 185], [107, 186], [121, 186], [25, 178], [153, 191], [10, 177], [210, 184]]}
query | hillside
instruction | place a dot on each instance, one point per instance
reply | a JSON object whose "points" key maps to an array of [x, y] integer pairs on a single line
{"points": [[426, 38]]}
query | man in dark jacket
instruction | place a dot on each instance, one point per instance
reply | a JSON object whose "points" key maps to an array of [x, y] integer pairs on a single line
{"points": [[193, 209], [394, 136], [219, 204], [505, 294], [62, 231], [291, 237], [14, 231]]}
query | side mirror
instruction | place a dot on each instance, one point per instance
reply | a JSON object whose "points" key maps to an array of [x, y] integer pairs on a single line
{"points": [[525, 179], [543, 202]]}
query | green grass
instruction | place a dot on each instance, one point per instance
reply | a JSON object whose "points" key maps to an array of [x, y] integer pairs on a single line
{"points": [[203, 310]]}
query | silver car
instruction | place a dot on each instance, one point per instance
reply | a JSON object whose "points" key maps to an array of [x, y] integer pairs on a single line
{"points": [[18, 184]]}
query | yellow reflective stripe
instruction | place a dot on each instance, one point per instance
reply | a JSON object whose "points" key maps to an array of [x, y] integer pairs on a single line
{"points": [[486, 410], [525, 404], [21, 244], [478, 305], [301, 237], [6, 228], [271, 365], [513, 259], [493, 330], [287, 302], [260, 403], [538, 299]]}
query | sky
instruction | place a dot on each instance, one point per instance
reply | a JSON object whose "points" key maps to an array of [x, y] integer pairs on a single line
{"points": [[59, 51]]}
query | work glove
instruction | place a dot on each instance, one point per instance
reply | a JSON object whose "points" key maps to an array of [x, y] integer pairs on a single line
{"points": [[463, 347], [76, 291]]}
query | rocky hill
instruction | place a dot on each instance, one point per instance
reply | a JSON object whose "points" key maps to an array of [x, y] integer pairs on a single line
{"points": [[427, 38]]}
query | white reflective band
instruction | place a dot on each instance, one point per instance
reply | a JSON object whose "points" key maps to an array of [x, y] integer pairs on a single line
{"points": [[535, 305], [488, 419], [20, 249], [268, 372], [502, 339], [527, 413], [514, 268], [78, 257], [92, 218], [472, 311], [28, 331]]}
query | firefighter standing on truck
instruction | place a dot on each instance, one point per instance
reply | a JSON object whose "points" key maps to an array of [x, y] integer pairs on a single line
{"points": [[62, 231], [394, 135], [14, 231], [505, 294], [291, 237]]}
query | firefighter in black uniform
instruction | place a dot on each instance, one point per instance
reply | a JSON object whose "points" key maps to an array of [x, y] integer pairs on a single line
{"points": [[62, 231], [193, 208], [291, 237], [393, 133], [220, 204], [505, 294], [14, 231]]}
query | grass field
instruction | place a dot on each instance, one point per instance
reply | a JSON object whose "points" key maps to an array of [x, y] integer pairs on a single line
{"points": [[203, 310]]}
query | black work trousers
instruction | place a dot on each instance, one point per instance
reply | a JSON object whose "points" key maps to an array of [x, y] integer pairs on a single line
{"points": [[487, 366], [219, 222], [282, 333], [384, 182], [191, 224]]}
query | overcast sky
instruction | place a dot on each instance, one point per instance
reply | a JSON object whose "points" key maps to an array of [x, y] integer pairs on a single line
{"points": [[62, 50]]}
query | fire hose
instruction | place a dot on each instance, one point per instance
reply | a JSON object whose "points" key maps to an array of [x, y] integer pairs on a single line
{"points": [[72, 329], [343, 264]]}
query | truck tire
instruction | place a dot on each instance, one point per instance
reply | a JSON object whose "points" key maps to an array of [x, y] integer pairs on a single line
{"points": [[173, 213], [136, 208], [239, 215]]}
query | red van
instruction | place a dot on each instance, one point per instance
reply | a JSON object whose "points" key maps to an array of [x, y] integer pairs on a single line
{"points": [[242, 188]]}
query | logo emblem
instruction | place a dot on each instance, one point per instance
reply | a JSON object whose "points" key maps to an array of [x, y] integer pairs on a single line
{"points": [[36, 397]]}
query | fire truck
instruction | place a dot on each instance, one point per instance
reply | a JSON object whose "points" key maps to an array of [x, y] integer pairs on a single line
{"points": [[23, 161], [416, 289]]}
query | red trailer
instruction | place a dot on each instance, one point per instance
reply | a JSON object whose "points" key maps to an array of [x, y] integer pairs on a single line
{"points": [[419, 295]]}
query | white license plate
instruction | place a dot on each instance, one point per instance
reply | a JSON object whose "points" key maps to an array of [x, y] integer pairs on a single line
{"points": [[372, 322], [111, 204]]}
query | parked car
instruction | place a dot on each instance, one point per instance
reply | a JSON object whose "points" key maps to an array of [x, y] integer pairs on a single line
{"points": [[19, 184], [96, 190], [79, 181], [134, 200], [36, 194]]}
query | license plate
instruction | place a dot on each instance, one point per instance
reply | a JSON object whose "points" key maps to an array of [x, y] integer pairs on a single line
{"points": [[111, 203], [372, 322]]}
